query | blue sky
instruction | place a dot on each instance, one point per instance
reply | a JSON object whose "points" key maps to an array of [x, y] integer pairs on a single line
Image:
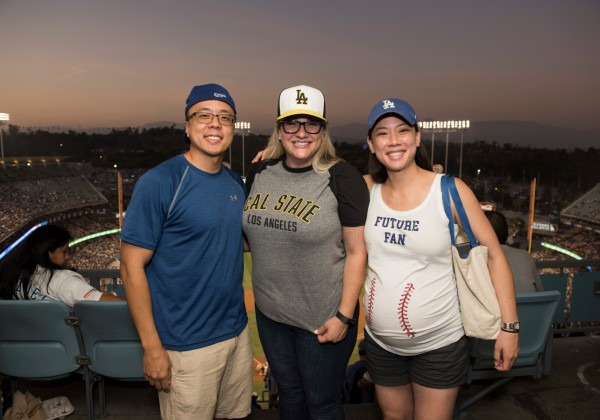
{"points": [[85, 63]]}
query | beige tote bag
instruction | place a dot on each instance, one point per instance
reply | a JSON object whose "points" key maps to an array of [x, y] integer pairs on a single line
{"points": [[479, 309]]}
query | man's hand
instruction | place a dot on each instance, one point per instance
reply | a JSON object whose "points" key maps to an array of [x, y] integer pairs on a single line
{"points": [[157, 368]]}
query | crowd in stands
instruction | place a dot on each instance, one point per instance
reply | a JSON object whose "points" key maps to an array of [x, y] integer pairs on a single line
{"points": [[583, 242], [31, 192], [98, 252], [25, 200], [576, 239], [586, 208]]}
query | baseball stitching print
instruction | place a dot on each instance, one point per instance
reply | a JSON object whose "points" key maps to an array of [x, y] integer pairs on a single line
{"points": [[403, 309], [371, 300]]}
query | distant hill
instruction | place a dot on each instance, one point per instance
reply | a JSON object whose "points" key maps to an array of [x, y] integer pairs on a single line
{"points": [[521, 133]]}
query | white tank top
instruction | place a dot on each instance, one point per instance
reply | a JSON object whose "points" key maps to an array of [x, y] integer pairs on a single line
{"points": [[410, 298]]}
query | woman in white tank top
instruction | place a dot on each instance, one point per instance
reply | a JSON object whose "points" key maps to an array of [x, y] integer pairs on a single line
{"points": [[413, 329]]}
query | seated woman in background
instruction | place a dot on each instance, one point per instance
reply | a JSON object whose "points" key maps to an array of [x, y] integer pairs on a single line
{"points": [[35, 270]]}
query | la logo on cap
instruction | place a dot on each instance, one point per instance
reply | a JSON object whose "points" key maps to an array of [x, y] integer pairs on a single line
{"points": [[301, 98], [387, 104]]}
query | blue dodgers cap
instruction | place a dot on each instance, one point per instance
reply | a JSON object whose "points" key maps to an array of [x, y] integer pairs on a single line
{"points": [[209, 92], [392, 106]]}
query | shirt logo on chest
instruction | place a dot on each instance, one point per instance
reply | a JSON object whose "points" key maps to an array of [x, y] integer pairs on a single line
{"points": [[292, 205]]}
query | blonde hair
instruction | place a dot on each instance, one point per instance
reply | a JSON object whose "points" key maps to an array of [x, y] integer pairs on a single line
{"points": [[323, 159]]}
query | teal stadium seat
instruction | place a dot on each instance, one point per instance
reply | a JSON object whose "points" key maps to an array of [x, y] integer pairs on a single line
{"points": [[557, 282], [111, 343], [585, 300], [536, 311], [37, 341]]}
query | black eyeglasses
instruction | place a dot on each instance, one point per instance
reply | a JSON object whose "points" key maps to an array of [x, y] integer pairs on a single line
{"points": [[207, 117], [293, 126]]}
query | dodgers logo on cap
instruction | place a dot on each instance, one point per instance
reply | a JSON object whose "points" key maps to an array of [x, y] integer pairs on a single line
{"points": [[301, 100]]}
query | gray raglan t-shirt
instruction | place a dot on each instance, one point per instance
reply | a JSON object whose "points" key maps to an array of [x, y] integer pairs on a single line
{"points": [[293, 221]]}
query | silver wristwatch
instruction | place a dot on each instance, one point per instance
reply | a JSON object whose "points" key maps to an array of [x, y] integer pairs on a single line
{"points": [[512, 327]]}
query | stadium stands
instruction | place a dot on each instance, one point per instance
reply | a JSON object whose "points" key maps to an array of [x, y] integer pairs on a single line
{"points": [[585, 211], [32, 191], [62, 194]]}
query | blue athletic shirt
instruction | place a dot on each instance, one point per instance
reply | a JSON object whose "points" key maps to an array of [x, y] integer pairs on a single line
{"points": [[192, 220]]}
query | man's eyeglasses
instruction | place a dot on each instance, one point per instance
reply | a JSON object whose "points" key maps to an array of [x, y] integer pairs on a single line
{"points": [[293, 126], [207, 117]]}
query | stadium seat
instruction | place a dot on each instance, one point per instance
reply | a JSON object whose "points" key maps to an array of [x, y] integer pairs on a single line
{"points": [[585, 300], [111, 343], [536, 311], [557, 282], [37, 341]]}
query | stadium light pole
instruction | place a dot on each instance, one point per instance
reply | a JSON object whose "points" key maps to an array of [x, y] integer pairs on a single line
{"points": [[242, 128], [446, 158], [448, 127], [462, 133], [3, 117]]}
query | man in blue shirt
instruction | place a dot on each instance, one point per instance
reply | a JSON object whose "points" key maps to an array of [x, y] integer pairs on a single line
{"points": [[182, 269]]}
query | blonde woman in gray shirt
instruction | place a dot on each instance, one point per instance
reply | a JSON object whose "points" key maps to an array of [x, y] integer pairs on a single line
{"points": [[304, 221]]}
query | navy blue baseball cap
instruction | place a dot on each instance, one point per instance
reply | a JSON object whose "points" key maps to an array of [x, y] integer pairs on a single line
{"points": [[392, 106], [208, 92]]}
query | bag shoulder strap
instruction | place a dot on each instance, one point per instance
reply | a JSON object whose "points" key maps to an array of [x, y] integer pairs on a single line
{"points": [[447, 208], [449, 189]]}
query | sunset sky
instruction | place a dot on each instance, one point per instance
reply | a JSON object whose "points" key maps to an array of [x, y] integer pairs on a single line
{"points": [[85, 63]]}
